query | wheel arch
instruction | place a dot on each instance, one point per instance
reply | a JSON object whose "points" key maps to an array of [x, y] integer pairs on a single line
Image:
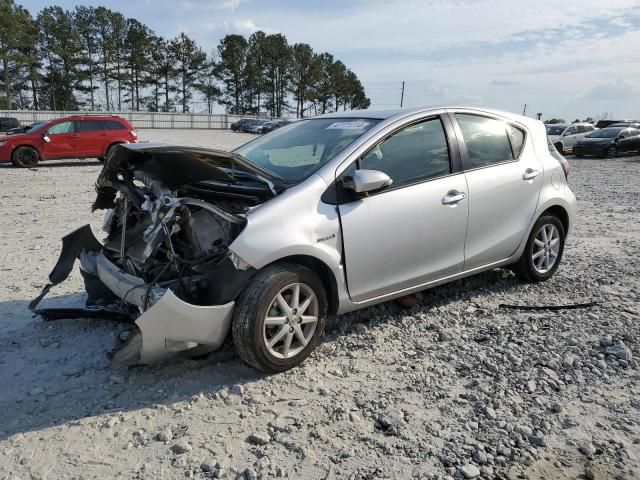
{"points": [[560, 212], [33, 147], [322, 270]]}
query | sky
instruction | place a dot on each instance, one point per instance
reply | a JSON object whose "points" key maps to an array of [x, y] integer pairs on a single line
{"points": [[562, 58]]}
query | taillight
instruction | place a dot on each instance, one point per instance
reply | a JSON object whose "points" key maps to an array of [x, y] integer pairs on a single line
{"points": [[558, 156]]}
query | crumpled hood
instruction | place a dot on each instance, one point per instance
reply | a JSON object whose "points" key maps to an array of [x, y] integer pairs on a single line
{"points": [[176, 166]]}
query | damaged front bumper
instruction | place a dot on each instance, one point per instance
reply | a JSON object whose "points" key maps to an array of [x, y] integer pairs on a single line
{"points": [[168, 324]]}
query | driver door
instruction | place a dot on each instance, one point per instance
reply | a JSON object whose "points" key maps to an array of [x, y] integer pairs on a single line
{"points": [[414, 231], [62, 140]]}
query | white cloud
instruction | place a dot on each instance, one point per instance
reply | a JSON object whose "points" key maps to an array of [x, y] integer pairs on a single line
{"points": [[247, 27], [618, 89]]}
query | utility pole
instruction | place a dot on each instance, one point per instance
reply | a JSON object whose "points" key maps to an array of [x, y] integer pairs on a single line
{"points": [[402, 95], [524, 110]]}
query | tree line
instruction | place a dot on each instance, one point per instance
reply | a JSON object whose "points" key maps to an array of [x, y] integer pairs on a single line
{"points": [[96, 58]]}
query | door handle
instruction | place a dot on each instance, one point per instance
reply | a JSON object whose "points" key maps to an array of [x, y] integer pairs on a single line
{"points": [[530, 174], [453, 197]]}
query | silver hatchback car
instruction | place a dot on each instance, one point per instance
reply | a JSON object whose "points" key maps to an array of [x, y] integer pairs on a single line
{"points": [[320, 217]]}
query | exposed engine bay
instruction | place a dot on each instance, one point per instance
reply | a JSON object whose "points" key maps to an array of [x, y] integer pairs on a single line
{"points": [[171, 214]]}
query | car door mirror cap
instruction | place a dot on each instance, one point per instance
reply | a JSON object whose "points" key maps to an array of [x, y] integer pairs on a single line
{"points": [[369, 181], [46, 137]]}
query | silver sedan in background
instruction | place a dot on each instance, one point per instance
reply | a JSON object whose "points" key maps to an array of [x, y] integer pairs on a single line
{"points": [[320, 217]]}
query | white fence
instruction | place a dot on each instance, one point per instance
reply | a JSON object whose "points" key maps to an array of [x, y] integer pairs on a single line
{"points": [[201, 121]]}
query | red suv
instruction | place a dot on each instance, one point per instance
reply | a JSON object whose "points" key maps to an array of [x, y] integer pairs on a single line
{"points": [[70, 137]]}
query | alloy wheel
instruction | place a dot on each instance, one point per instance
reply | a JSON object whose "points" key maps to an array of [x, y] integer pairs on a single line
{"points": [[28, 157], [546, 248], [291, 320]]}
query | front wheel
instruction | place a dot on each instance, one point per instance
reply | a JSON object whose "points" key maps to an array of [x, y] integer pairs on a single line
{"points": [[25, 157], [279, 317], [611, 152], [543, 252]]}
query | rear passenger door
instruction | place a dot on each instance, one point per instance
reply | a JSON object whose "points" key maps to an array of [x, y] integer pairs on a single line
{"points": [[504, 177], [91, 138]]}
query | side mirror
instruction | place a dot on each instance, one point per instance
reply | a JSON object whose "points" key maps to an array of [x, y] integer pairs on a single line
{"points": [[365, 181], [45, 137]]}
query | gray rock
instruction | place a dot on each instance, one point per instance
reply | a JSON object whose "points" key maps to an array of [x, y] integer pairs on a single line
{"points": [[479, 457], [209, 465], [180, 447], [164, 435], [259, 438], [587, 449], [620, 351], [469, 471], [249, 474]]}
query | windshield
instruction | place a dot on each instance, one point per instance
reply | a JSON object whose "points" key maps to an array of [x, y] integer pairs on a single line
{"points": [[605, 133], [296, 151], [555, 129], [36, 127]]}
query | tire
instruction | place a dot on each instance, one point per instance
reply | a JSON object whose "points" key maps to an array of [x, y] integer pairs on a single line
{"points": [[25, 157], [260, 298], [611, 152], [559, 148], [529, 269]]}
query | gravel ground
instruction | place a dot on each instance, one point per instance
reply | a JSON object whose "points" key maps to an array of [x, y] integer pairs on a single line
{"points": [[453, 387]]}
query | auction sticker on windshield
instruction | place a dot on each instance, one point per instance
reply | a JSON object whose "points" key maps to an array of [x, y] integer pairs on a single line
{"points": [[348, 126]]}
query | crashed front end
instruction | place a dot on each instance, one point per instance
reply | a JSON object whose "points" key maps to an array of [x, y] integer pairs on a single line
{"points": [[171, 214]]}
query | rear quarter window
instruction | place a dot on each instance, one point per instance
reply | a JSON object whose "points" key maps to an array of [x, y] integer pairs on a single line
{"points": [[113, 125]]}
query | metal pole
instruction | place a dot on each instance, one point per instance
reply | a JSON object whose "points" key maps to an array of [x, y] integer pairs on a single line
{"points": [[524, 110], [402, 95]]}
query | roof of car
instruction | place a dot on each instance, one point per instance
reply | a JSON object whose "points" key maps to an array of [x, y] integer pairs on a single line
{"points": [[402, 112]]}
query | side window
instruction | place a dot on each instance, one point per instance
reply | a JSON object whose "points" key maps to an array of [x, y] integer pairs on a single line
{"points": [[516, 138], [486, 140], [570, 131], [89, 125], [112, 125], [416, 152], [581, 129], [63, 127], [590, 128], [624, 133]]}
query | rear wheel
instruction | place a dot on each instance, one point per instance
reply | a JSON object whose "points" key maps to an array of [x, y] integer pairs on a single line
{"points": [[280, 317], [25, 157], [543, 252]]}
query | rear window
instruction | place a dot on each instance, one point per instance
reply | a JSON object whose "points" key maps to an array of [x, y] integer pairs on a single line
{"points": [[488, 140], [89, 125], [113, 125]]}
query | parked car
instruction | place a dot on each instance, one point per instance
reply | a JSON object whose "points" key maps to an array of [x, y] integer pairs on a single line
{"points": [[69, 137], [327, 216], [274, 125], [16, 130], [608, 123], [241, 124], [626, 124], [609, 142], [564, 136], [256, 126], [7, 123]]}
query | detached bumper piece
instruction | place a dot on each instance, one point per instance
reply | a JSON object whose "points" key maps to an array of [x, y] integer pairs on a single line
{"points": [[167, 324]]}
